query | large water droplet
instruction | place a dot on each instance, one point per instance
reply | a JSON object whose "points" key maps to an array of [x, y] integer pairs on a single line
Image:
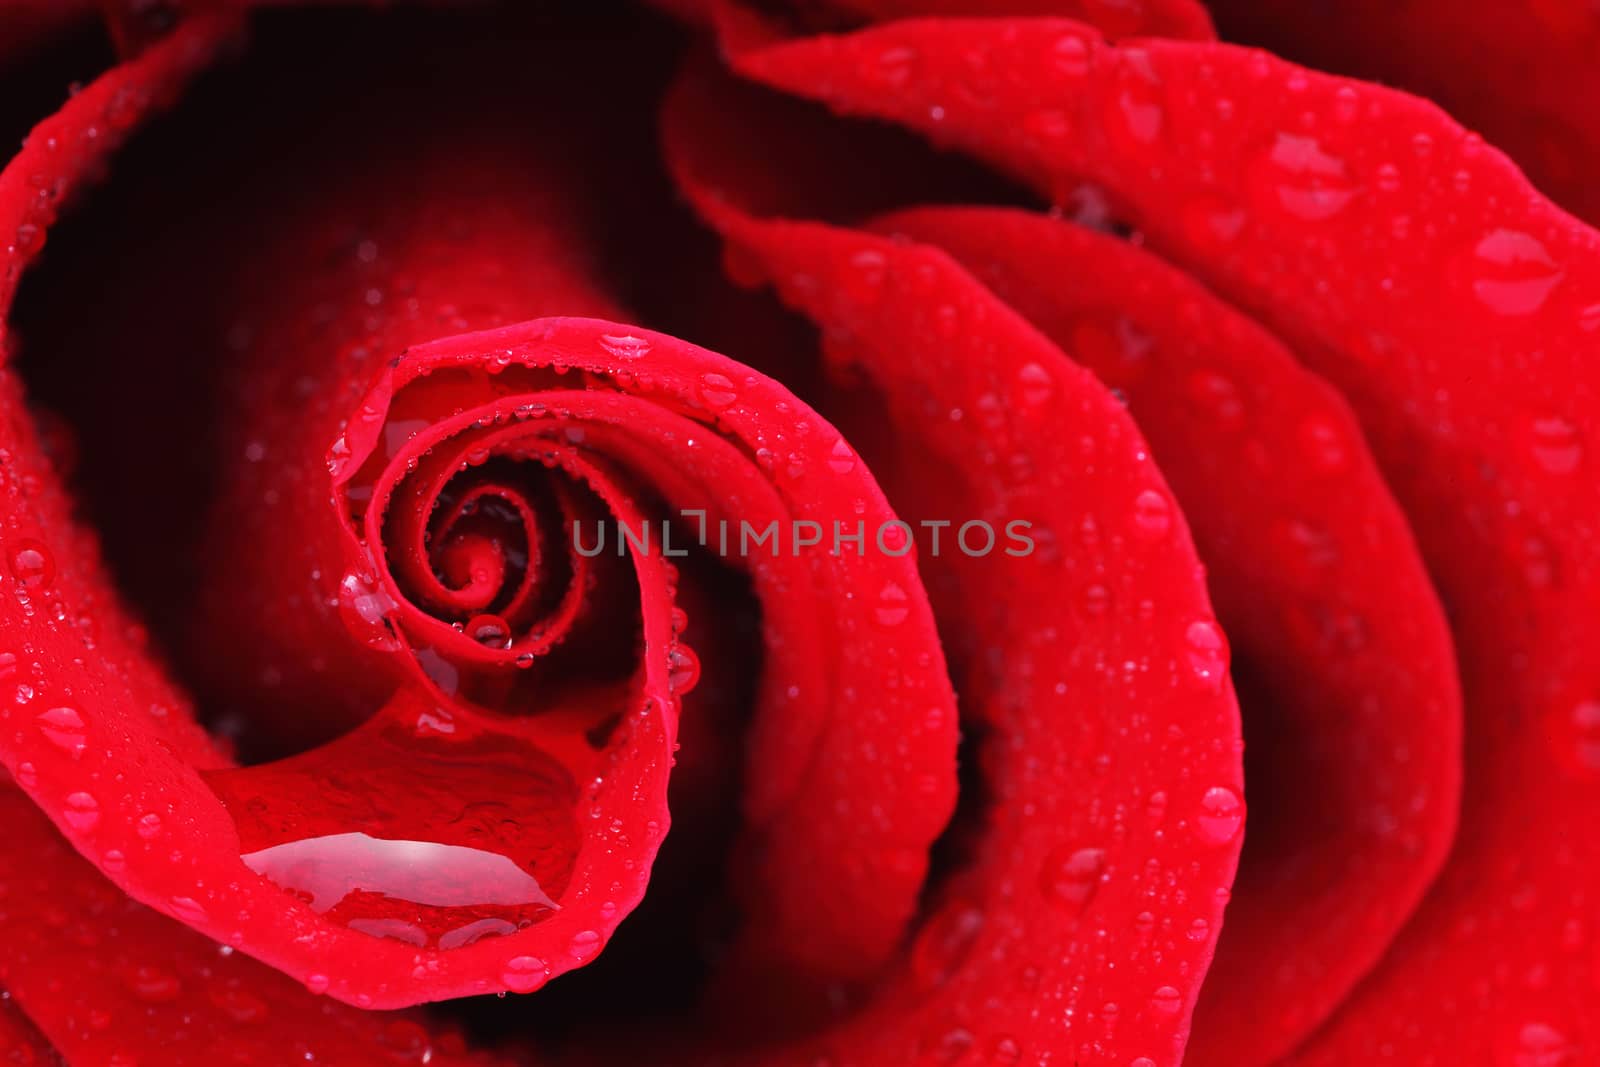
{"points": [[1206, 654], [433, 839], [364, 605], [32, 564], [64, 728], [625, 346], [524, 974], [82, 812], [1152, 515], [1220, 816], [717, 391], [841, 460], [1555, 444], [1297, 178], [894, 605], [1072, 876], [1511, 272], [683, 669]]}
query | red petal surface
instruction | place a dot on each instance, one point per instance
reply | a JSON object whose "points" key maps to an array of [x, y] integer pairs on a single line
{"points": [[1339, 644], [20, 1041], [1416, 269], [1083, 919], [1523, 75], [112, 982]]}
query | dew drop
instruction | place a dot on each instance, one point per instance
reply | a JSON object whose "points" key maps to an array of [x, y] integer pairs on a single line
{"points": [[584, 944], [717, 391], [1072, 876], [524, 974], [149, 825], [1166, 1000], [1512, 272], [188, 909], [1152, 515], [894, 605], [1206, 654], [317, 983], [490, 631], [1135, 116], [1221, 815], [1555, 444], [683, 669], [841, 460], [1297, 178], [32, 564], [1539, 1045], [82, 812], [1071, 55], [1035, 384], [625, 346], [364, 605], [64, 728]]}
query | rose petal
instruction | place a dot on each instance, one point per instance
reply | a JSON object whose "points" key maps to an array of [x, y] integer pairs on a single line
{"points": [[1519, 74], [1110, 754], [110, 981], [1353, 711], [1457, 314], [1182, 19]]}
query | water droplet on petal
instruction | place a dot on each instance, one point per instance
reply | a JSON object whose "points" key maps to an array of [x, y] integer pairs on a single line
{"points": [[1297, 178], [490, 631], [1035, 384], [524, 974], [717, 391], [1071, 876], [32, 564], [1555, 444], [894, 605], [584, 944], [1540, 1045], [364, 606], [1166, 1000], [82, 812], [625, 346], [1207, 654], [683, 669], [64, 728], [1221, 815], [317, 983], [1511, 272], [841, 460], [1152, 515]]}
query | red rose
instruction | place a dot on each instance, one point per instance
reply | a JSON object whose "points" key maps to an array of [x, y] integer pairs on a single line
{"points": [[405, 522]]}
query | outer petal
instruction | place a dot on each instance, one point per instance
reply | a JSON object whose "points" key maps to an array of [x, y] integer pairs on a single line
{"points": [[1080, 922], [1183, 19], [1523, 75], [112, 982], [1416, 269], [1352, 707]]}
